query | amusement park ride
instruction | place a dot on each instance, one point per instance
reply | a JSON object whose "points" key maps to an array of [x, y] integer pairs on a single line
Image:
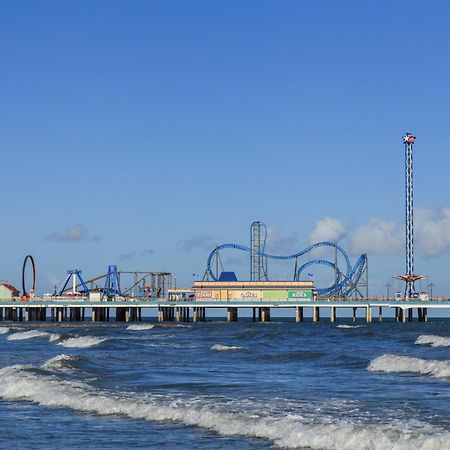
{"points": [[409, 278], [350, 282]]}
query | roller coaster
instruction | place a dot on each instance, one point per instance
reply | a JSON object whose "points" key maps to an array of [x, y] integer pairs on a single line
{"points": [[346, 283]]}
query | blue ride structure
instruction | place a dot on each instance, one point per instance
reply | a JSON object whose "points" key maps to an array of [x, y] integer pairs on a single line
{"points": [[345, 283]]}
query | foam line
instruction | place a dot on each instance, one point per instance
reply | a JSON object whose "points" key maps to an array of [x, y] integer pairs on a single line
{"points": [[25, 383], [393, 363]]}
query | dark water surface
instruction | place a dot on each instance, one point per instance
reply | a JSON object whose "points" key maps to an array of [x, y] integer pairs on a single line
{"points": [[218, 385]]}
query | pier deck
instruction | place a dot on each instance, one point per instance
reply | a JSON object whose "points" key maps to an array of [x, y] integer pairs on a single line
{"points": [[168, 310]]}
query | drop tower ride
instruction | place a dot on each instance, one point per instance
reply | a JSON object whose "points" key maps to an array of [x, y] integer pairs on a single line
{"points": [[409, 278]]}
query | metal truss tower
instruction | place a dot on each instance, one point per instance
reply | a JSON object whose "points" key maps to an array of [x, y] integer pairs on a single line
{"points": [[409, 278], [258, 269], [112, 284]]}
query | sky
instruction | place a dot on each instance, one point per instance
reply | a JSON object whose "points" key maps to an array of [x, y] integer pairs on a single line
{"points": [[145, 133]]}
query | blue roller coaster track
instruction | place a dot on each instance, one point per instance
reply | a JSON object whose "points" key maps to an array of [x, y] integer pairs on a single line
{"points": [[345, 283]]}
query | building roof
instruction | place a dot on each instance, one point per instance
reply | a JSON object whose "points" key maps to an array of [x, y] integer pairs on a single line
{"points": [[10, 287], [255, 284]]}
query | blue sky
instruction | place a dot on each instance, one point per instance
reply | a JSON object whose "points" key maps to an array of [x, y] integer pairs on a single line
{"points": [[144, 133]]}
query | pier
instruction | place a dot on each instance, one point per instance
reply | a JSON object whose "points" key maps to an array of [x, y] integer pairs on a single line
{"points": [[76, 310]]}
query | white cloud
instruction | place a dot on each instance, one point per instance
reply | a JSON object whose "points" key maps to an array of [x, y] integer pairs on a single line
{"points": [[281, 245], [327, 229], [74, 233], [383, 237], [432, 230], [205, 242], [379, 236]]}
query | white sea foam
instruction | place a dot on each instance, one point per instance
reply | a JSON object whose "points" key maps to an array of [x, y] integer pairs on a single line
{"points": [[3, 330], [22, 335], [54, 337], [433, 340], [140, 327], [394, 363], [21, 383], [59, 362], [223, 348], [82, 342], [351, 326]]}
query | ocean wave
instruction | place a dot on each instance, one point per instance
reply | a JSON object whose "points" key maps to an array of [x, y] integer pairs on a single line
{"points": [[54, 337], [351, 326], [433, 340], [395, 363], [61, 362], [222, 347], [140, 327], [4, 330], [82, 342], [24, 383], [22, 335]]}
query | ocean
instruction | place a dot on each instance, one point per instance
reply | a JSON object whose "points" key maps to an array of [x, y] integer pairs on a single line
{"points": [[218, 385]]}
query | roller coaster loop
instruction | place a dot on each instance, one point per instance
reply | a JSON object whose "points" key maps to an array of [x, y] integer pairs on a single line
{"points": [[33, 267], [345, 281]]}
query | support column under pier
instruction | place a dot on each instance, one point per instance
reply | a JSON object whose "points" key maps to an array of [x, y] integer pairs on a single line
{"points": [[265, 314], [380, 314], [354, 314], [368, 314], [316, 314], [333, 314], [120, 314], [232, 314], [299, 314], [410, 314]]}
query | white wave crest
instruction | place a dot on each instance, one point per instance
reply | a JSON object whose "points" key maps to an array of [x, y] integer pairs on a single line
{"points": [[140, 327], [394, 363], [223, 348], [22, 335], [21, 383], [54, 337], [59, 362], [351, 326], [433, 340], [82, 342], [4, 330]]}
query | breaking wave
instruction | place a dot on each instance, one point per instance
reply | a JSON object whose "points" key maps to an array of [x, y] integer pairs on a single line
{"points": [[4, 330], [222, 347], [22, 335], [351, 326], [82, 342], [140, 327], [394, 363], [54, 337], [433, 340], [60, 362], [25, 383]]}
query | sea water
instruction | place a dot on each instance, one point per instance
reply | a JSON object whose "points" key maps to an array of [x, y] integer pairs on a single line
{"points": [[218, 385]]}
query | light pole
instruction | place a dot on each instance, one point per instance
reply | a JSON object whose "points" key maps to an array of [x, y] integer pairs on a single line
{"points": [[430, 287], [388, 287]]}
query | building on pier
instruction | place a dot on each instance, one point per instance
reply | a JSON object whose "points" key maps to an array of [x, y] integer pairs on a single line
{"points": [[253, 290], [8, 291]]}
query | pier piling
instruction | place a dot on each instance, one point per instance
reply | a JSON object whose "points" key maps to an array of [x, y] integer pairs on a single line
{"points": [[332, 314], [299, 314], [316, 314]]}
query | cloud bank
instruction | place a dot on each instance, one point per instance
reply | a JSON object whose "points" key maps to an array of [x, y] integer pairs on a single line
{"points": [[205, 242], [380, 236], [327, 229], [75, 233]]}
